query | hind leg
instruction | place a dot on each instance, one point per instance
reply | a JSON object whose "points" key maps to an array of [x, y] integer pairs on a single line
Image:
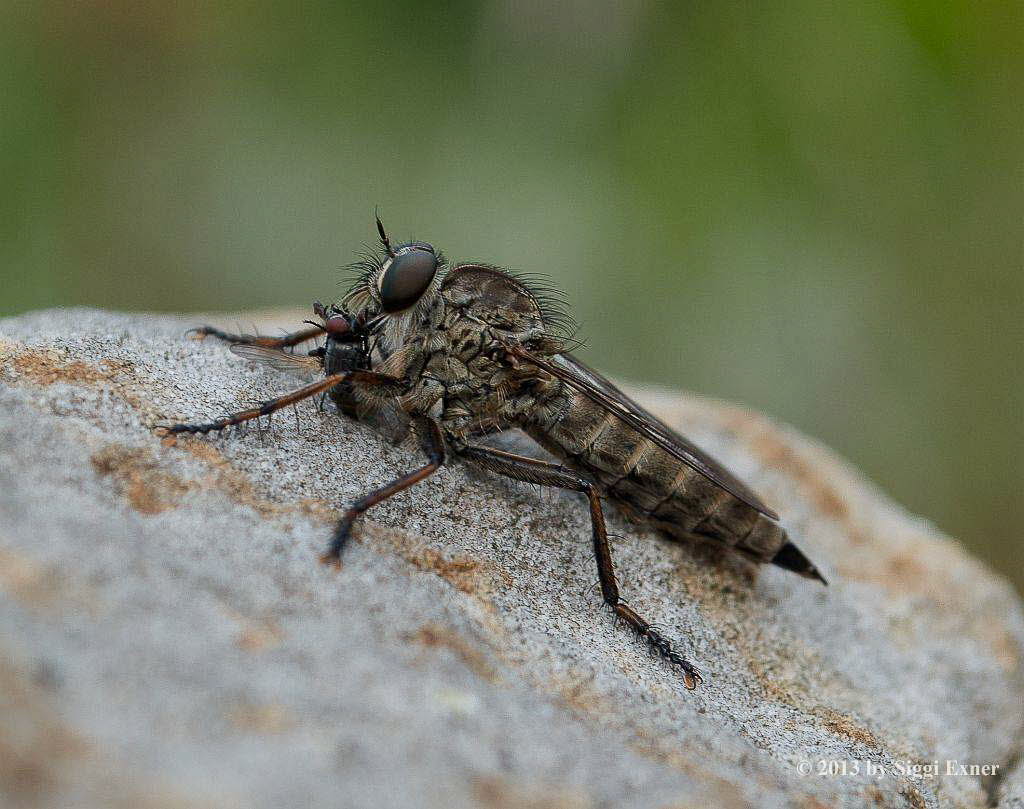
{"points": [[549, 474]]}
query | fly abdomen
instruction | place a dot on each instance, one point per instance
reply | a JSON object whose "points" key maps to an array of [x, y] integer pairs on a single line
{"points": [[651, 483], [629, 467]]}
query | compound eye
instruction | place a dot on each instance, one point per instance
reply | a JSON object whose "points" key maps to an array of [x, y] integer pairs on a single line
{"points": [[406, 279]]}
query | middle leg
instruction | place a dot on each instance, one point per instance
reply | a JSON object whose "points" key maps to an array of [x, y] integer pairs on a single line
{"points": [[433, 444], [548, 474]]}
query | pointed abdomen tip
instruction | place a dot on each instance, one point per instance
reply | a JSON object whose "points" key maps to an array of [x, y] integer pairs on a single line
{"points": [[790, 557]]}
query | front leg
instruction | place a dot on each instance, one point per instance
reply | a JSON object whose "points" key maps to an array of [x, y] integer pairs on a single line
{"points": [[433, 443], [548, 474]]}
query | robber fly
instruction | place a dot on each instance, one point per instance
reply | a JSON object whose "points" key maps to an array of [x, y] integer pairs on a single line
{"points": [[454, 353]]}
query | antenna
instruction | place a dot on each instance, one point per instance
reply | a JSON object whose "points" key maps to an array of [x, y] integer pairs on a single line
{"points": [[383, 236]]}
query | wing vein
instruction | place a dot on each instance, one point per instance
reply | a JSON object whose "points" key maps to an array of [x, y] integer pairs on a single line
{"points": [[601, 391]]}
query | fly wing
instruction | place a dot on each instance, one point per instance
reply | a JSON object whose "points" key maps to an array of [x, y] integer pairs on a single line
{"points": [[280, 360], [600, 390]]}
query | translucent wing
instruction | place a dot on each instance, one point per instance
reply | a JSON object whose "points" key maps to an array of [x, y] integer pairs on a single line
{"points": [[598, 389], [279, 360]]}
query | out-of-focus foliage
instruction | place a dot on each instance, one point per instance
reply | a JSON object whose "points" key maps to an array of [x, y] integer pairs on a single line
{"points": [[814, 209]]}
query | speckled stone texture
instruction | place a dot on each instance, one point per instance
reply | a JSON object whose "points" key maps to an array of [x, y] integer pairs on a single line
{"points": [[168, 638]]}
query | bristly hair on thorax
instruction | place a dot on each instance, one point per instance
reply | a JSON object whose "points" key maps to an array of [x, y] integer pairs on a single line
{"points": [[362, 294], [554, 306]]}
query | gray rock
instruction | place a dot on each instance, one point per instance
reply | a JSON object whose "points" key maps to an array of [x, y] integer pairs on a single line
{"points": [[169, 639]]}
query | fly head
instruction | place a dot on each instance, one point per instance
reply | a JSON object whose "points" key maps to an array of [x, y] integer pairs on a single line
{"points": [[396, 293], [405, 275], [347, 345]]}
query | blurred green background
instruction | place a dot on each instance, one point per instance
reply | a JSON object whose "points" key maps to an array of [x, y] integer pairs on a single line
{"points": [[814, 209]]}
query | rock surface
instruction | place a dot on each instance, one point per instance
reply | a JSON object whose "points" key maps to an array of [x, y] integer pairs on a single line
{"points": [[167, 637]]}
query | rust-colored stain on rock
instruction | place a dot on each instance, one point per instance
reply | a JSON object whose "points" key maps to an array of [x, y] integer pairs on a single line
{"points": [[240, 489], [466, 574], [459, 571], [151, 490], [256, 634], [269, 718], [49, 366], [35, 744], [434, 635], [43, 760], [845, 725], [41, 587], [140, 479], [495, 792]]}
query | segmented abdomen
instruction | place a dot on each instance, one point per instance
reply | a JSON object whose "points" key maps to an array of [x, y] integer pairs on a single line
{"points": [[645, 479]]}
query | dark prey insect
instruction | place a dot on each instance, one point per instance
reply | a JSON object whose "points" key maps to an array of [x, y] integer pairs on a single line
{"points": [[453, 353]]}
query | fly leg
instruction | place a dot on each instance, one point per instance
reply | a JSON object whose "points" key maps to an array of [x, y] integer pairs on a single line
{"points": [[387, 385], [549, 474], [286, 341], [264, 409], [433, 443]]}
